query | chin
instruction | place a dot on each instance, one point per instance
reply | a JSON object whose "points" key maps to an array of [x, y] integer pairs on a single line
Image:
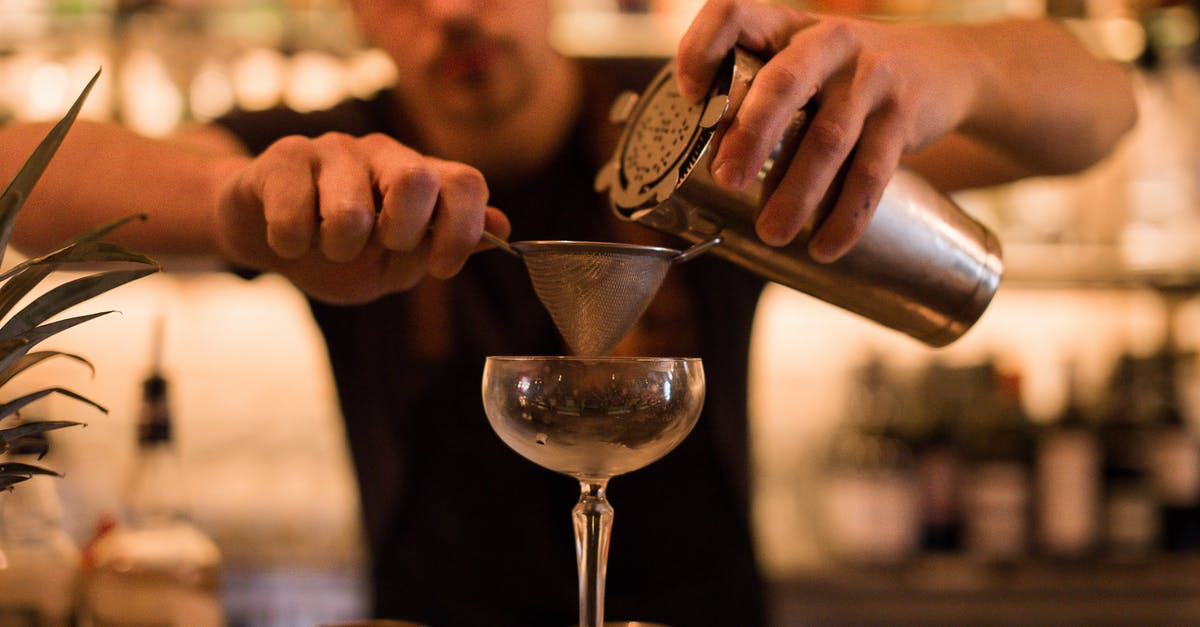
{"points": [[481, 111]]}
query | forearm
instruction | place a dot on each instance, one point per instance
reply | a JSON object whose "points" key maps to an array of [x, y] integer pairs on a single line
{"points": [[102, 172], [1042, 100]]}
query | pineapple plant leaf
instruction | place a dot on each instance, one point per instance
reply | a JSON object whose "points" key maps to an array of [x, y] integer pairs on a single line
{"points": [[23, 362], [21, 345], [24, 430], [12, 473], [22, 184], [20, 279], [24, 328], [15, 405], [67, 295]]}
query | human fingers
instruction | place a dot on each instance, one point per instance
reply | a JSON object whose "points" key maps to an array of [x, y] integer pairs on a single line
{"points": [[496, 223], [408, 185], [459, 221], [346, 202], [717, 27], [282, 181], [824, 149], [875, 160], [783, 85]]}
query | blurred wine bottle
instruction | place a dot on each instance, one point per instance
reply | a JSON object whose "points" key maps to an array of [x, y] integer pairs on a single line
{"points": [[1130, 510], [870, 497], [937, 412], [1067, 467], [997, 486], [155, 567], [1174, 461]]}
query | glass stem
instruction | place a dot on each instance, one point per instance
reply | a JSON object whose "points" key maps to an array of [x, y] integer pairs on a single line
{"points": [[593, 523]]}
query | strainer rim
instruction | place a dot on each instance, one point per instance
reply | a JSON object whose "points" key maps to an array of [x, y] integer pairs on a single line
{"points": [[585, 246]]}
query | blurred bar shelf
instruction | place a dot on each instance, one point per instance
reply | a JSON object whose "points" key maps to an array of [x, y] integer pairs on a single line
{"points": [[1097, 266], [605, 33], [955, 590]]}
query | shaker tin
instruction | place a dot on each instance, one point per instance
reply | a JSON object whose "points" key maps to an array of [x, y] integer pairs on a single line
{"points": [[922, 267]]}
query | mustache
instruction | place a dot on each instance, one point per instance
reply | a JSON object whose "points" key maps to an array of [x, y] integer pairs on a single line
{"points": [[464, 36]]}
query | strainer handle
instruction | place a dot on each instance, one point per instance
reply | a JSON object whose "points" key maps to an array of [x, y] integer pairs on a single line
{"points": [[501, 244], [697, 249]]}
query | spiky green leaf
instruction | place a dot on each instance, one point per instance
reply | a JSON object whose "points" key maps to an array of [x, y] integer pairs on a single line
{"points": [[32, 337], [8, 481], [18, 189], [26, 429], [105, 229], [29, 360], [11, 349], [15, 405], [8, 469], [57, 256], [12, 473], [86, 251], [67, 295], [24, 277]]}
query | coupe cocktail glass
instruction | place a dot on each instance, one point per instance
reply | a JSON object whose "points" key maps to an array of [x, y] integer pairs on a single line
{"points": [[592, 418]]}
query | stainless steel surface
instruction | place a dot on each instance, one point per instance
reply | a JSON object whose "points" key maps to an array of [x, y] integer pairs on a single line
{"points": [[500, 243], [923, 266], [594, 291]]}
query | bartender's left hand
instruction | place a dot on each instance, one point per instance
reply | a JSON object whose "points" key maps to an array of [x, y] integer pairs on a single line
{"points": [[883, 89]]}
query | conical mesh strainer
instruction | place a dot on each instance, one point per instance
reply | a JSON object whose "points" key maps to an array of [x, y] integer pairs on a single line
{"points": [[596, 291]]}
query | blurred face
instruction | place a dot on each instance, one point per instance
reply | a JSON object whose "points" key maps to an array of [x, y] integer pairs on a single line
{"points": [[472, 62]]}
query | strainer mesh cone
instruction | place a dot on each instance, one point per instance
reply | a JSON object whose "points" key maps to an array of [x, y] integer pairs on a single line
{"points": [[594, 291]]}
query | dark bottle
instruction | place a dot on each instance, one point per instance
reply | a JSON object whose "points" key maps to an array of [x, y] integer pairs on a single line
{"points": [[997, 486], [869, 500], [937, 412], [1174, 464], [1130, 511], [1067, 483], [155, 567]]}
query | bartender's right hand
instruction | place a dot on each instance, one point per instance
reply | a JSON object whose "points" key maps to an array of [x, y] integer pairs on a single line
{"points": [[349, 219]]}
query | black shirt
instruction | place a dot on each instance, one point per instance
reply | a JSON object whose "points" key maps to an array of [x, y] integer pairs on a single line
{"points": [[462, 530]]}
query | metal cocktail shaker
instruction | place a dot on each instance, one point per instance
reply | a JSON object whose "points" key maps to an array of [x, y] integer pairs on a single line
{"points": [[923, 266]]}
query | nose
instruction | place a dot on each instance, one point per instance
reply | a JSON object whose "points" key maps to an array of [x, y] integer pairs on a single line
{"points": [[451, 10]]}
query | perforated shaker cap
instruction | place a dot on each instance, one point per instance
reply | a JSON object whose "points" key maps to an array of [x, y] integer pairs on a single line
{"points": [[665, 135]]}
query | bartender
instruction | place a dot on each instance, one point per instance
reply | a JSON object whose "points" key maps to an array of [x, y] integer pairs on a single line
{"points": [[375, 208]]}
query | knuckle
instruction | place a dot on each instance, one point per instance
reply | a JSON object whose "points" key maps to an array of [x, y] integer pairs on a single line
{"points": [[288, 143], [334, 139], [376, 139], [349, 213], [727, 10], [877, 70], [286, 149], [838, 32], [780, 80], [336, 147], [871, 175], [466, 179], [417, 178], [829, 137], [879, 73]]}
